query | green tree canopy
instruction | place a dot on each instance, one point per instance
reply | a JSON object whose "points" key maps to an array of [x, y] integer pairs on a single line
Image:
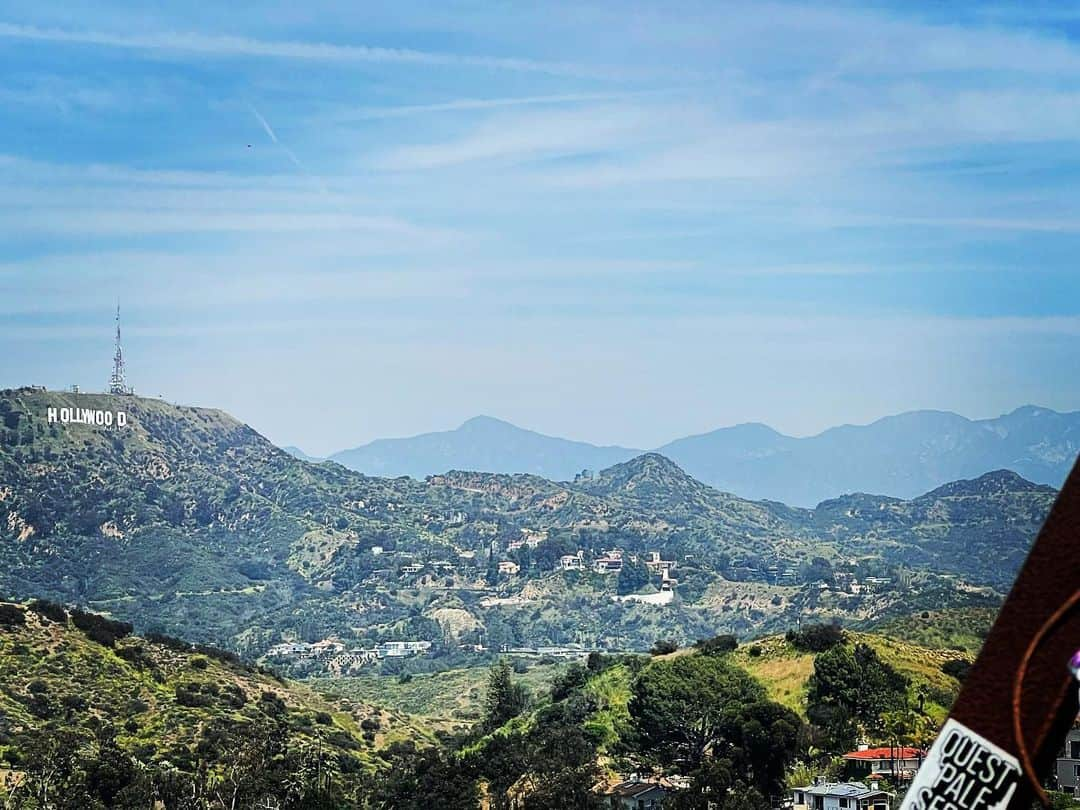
{"points": [[853, 686], [505, 699], [678, 705]]}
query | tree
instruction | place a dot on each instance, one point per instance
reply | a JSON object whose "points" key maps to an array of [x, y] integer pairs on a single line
{"points": [[677, 706], [114, 777], [850, 687], [816, 637], [663, 646], [717, 645], [562, 760], [703, 717], [52, 774], [505, 699], [633, 576], [419, 780]]}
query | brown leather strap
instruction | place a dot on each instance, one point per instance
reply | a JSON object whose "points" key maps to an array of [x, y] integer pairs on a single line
{"points": [[1047, 703]]}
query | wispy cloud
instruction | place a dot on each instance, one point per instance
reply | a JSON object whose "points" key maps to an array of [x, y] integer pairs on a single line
{"points": [[522, 137], [480, 104], [235, 46]]}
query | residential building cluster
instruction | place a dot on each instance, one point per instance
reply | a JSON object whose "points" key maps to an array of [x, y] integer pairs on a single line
{"points": [[336, 656]]}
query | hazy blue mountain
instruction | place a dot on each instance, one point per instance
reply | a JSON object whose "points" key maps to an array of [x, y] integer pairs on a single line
{"points": [[296, 452], [483, 444], [901, 456]]}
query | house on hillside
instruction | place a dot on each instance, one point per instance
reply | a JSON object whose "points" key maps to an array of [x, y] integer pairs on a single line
{"points": [[637, 794], [1067, 766], [401, 649], [534, 537], [610, 563], [571, 562], [840, 796], [898, 762], [667, 583], [656, 564], [509, 567]]}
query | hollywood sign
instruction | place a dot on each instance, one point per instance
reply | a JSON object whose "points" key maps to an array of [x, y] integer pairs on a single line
{"points": [[86, 416]]}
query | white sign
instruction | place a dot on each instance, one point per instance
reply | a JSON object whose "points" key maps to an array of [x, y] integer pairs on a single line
{"points": [[963, 771], [86, 416]]}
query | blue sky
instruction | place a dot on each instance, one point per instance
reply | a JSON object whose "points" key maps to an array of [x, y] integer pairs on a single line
{"points": [[617, 222]]}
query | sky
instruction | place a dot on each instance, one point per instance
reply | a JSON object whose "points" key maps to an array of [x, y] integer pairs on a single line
{"points": [[616, 222]]}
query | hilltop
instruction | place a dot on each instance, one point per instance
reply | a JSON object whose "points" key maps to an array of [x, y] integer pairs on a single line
{"points": [[189, 521], [785, 670], [481, 443], [165, 700]]}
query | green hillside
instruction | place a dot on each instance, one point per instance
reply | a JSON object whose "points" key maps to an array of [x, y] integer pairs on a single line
{"points": [[448, 698], [188, 521], [161, 696], [785, 671], [167, 720], [958, 629]]}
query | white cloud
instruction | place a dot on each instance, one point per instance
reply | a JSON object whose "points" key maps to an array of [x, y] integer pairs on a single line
{"points": [[237, 46]]}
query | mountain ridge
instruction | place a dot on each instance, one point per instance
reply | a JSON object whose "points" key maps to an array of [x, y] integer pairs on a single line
{"points": [[901, 455], [548, 456]]}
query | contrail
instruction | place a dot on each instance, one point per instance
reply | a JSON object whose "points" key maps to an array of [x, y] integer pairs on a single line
{"points": [[288, 152]]}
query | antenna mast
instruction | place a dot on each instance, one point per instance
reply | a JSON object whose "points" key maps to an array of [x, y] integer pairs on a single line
{"points": [[117, 384]]}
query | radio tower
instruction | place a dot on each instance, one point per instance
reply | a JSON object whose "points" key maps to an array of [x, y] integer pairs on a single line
{"points": [[117, 384]]}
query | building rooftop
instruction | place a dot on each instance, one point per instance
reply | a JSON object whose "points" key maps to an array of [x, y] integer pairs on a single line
{"points": [[847, 790], [896, 752], [633, 788]]}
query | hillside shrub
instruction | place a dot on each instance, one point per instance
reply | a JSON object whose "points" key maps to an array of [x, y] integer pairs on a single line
{"points": [[663, 647], [100, 629], [957, 668], [37, 687], [717, 645], [12, 616], [52, 611], [136, 655], [816, 638], [188, 694]]}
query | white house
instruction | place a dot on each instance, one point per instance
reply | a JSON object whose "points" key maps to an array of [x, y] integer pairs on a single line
{"points": [[607, 565], [571, 562], [509, 567], [400, 649], [656, 564], [1067, 766], [840, 796]]}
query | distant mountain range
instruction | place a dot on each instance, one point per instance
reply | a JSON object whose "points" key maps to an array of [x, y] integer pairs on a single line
{"points": [[901, 456], [483, 444]]}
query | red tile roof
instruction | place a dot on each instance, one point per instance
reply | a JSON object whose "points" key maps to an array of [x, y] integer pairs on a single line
{"points": [[896, 752]]}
